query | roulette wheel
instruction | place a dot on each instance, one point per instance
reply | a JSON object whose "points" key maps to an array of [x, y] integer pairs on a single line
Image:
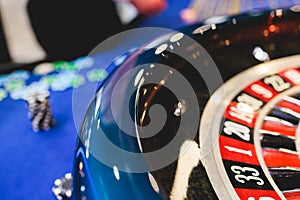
{"points": [[229, 128]]}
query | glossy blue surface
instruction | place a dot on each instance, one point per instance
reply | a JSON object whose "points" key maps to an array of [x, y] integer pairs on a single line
{"points": [[102, 182]]}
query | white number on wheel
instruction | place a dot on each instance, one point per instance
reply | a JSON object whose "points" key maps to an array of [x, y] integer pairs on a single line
{"points": [[238, 170]]}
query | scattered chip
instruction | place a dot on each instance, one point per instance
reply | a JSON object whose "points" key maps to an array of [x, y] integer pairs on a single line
{"points": [[37, 87], [97, 75], [60, 65], [3, 94], [43, 69], [84, 62], [18, 94], [57, 76], [63, 81], [71, 66], [62, 188], [77, 81], [49, 79], [14, 85], [65, 66], [19, 75], [3, 79]]}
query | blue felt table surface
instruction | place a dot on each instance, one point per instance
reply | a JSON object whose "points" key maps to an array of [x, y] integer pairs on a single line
{"points": [[29, 161]]}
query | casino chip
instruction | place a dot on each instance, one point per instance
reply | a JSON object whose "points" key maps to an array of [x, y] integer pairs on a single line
{"points": [[63, 66], [14, 85], [77, 81], [19, 75], [84, 62], [39, 111], [14, 80], [3, 79], [65, 80], [63, 187], [43, 69], [48, 79], [3, 94], [96, 75], [18, 94]]}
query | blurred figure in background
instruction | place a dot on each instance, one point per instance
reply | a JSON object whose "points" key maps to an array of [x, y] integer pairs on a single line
{"points": [[33, 30]]}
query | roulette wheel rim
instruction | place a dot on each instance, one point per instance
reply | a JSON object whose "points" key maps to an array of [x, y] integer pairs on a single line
{"points": [[211, 155], [207, 32]]}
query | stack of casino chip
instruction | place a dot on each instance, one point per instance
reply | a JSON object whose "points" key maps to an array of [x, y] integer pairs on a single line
{"points": [[39, 111]]}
